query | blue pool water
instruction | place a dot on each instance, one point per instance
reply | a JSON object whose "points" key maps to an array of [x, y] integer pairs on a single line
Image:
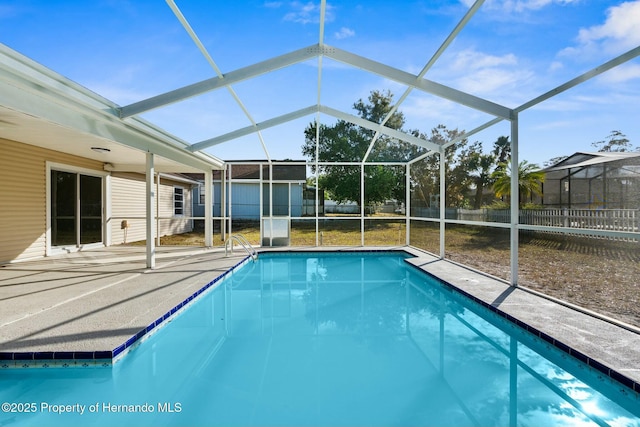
{"points": [[315, 339]]}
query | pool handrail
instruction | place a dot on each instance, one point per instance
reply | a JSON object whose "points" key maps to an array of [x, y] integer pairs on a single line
{"points": [[243, 242]]}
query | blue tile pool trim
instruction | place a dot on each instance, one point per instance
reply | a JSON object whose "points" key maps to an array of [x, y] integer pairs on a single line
{"points": [[99, 358], [600, 367], [106, 358], [168, 315]]}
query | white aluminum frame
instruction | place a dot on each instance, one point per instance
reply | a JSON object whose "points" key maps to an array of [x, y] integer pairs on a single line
{"points": [[77, 108], [106, 207]]}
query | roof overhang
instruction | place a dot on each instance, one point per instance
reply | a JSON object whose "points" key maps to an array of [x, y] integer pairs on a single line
{"points": [[597, 159], [42, 108]]}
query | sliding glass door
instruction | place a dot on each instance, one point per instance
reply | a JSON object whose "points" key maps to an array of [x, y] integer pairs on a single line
{"points": [[90, 209], [76, 209]]}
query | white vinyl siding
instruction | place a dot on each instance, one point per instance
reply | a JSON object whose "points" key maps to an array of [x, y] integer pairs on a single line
{"points": [[127, 204], [178, 225], [178, 201], [128, 192], [23, 197]]}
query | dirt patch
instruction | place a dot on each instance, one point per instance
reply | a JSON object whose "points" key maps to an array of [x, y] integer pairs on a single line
{"points": [[597, 274]]}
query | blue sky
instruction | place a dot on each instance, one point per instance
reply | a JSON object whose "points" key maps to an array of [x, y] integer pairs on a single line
{"points": [[510, 52]]}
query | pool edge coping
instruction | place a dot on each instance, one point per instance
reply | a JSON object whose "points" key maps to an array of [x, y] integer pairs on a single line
{"points": [[108, 358], [104, 358], [591, 362]]}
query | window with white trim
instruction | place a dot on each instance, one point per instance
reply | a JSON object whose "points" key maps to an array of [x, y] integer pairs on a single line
{"points": [[201, 194], [178, 201]]}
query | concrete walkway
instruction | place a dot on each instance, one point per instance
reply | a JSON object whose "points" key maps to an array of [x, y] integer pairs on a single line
{"points": [[95, 301]]}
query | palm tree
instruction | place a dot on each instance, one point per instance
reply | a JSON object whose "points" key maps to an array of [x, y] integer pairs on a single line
{"points": [[530, 179], [480, 166]]}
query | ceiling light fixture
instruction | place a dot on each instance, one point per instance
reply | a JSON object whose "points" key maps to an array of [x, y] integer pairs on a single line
{"points": [[100, 150]]}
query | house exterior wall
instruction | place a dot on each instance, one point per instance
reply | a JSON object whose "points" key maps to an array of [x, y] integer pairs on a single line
{"points": [[281, 199], [23, 209], [175, 224], [128, 192], [23, 201], [296, 199], [246, 200]]}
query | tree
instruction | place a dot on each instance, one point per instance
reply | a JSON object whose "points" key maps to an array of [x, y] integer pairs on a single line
{"points": [[554, 160], [346, 142], [480, 169], [425, 174], [530, 179], [502, 149], [615, 142]]}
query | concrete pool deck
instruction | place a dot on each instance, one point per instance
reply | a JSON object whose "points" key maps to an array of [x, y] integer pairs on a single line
{"points": [[95, 301]]}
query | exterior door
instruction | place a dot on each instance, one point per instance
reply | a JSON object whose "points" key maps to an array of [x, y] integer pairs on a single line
{"points": [[76, 209]]}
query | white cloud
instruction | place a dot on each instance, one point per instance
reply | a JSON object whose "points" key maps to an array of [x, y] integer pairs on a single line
{"points": [[118, 94], [555, 66], [307, 13], [518, 5], [617, 34], [482, 74], [430, 109], [344, 33], [622, 73], [619, 31], [488, 81], [469, 60]]}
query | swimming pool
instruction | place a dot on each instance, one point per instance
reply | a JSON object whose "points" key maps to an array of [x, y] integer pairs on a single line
{"points": [[326, 339]]}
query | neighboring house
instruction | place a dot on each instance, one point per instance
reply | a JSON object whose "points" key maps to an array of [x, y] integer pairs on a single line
{"points": [[602, 180], [243, 190]]}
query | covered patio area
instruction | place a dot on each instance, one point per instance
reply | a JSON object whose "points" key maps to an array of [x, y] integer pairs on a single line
{"points": [[95, 301]]}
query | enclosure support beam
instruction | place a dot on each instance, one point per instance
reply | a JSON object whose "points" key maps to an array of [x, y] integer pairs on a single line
{"points": [[376, 127], [150, 207], [362, 206], [157, 207], [411, 80], [515, 198], [443, 198], [407, 204], [604, 186], [223, 203], [270, 202], [253, 128], [230, 200], [208, 208], [214, 83]]}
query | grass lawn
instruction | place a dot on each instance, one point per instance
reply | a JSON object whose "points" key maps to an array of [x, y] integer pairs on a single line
{"points": [[598, 274]]}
